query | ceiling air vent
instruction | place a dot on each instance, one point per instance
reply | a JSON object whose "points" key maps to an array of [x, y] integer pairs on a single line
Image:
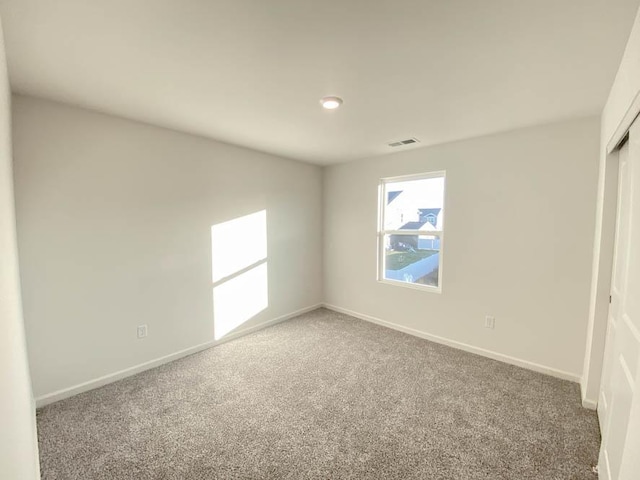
{"points": [[400, 143]]}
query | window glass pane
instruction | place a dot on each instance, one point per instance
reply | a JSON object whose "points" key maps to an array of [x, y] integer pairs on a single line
{"points": [[412, 258], [414, 204]]}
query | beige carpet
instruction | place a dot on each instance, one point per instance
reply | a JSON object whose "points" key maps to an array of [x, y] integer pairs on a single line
{"points": [[324, 396]]}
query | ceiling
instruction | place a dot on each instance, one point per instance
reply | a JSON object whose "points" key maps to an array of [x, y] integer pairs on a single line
{"points": [[252, 72]]}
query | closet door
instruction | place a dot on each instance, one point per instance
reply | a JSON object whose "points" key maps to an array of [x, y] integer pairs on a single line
{"points": [[619, 401]]}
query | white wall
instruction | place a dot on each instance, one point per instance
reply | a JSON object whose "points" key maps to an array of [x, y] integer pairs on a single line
{"points": [[621, 108], [518, 241], [18, 443], [114, 228]]}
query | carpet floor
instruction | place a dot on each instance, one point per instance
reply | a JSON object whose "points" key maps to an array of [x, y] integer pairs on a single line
{"points": [[323, 396]]}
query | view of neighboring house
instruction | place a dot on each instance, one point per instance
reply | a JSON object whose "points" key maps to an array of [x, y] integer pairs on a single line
{"points": [[412, 258], [430, 215], [400, 209], [402, 214]]}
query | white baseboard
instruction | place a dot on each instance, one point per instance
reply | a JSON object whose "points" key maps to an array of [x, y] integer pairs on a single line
{"points": [[590, 403], [127, 372], [461, 346]]}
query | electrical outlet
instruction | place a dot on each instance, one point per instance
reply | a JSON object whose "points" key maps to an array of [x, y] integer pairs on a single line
{"points": [[489, 322], [142, 331]]}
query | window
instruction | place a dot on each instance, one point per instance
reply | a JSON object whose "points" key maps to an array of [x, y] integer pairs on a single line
{"points": [[410, 236]]}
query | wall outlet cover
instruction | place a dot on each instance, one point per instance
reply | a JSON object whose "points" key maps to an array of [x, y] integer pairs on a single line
{"points": [[142, 331]]}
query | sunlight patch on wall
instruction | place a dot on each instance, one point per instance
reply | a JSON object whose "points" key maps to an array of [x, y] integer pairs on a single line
{"points": [[237, 244], [239, 299], [239, 271]]}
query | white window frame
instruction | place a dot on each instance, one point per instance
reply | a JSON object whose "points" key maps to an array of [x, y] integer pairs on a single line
{"points": [[382, 232]]}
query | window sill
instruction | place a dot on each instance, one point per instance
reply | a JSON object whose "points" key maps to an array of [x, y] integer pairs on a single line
{"points": [[414, 286]]}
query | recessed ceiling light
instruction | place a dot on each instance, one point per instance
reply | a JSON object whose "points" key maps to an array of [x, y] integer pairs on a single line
{"points": [[331, 103]]}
